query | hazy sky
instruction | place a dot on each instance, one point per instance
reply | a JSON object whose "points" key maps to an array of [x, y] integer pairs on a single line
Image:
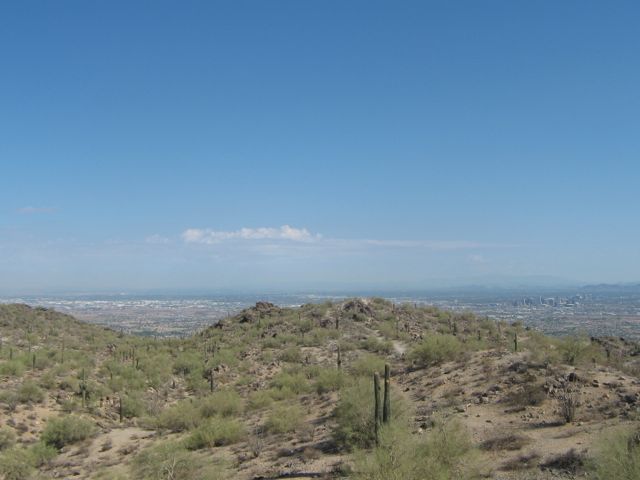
{"points": [[305, 144]]}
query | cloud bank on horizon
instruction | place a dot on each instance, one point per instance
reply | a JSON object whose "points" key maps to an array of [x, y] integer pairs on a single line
{"points": [[258, 258], [287, 233]]}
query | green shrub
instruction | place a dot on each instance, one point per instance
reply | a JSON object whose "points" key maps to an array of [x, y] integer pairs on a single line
{"points": [[354, 414], [346, 345], [284, 419], [65, 430], [7, 438], [215, 432], [197, 382], [42, 360], [291, 355], [309, 371], [445, 453], [132, 406], [316, 337], [376, 345], [184, 415], [15, 464], [70, 384], [359, 317], [156, 370], [279, 394], [225, 356], [70, 405], [10, 399], [187, 363], [436, 349], [329, 380], [576, 349], [29, 392], [389, 329], [42, 453], [259, 399], [542, 349], [367, 365], [12, 368], [618, 456], [272, 342], [170, 461], [223, 402], [48, 380], [295, 382]]}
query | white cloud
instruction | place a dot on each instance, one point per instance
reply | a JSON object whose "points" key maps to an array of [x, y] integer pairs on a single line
{"points": [[209, 237], [286, 240]]}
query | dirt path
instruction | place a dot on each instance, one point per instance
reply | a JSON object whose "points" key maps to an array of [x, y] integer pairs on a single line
{"points": [[399, 347]]}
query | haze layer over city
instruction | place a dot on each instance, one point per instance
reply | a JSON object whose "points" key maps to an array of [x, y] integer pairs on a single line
{"points": [[599, 310]]}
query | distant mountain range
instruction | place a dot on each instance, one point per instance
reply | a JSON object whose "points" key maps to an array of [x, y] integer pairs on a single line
{"points": [[481, 284], [613, 287]]}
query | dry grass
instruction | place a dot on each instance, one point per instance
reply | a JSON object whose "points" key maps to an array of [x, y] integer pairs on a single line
{"points": [[522, 462], [505, 442]]}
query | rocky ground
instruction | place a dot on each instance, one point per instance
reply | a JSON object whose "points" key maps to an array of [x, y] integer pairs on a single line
{"points": [[529, 416]]}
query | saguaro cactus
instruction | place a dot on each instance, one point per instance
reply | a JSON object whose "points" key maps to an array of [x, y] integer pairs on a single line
{"points": [[339, 358], [83, 390], [376, 407], [386, 405], [515, 341]]}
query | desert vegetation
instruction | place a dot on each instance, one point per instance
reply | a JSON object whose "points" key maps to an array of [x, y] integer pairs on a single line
{"points": [[275, 392]]}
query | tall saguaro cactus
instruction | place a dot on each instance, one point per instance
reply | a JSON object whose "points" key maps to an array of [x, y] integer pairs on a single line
{"points": [[376, 407], [386, 405], [83, 390]]}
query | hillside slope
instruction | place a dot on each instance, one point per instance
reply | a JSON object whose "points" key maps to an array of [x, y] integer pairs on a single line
{"points": [[288, 393]]}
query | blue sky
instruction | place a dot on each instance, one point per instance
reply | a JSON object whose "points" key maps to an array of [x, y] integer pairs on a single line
{"points": [[300, 145]]}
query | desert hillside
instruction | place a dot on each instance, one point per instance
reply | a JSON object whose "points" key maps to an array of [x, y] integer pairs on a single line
{"points": [[289, 393]]}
